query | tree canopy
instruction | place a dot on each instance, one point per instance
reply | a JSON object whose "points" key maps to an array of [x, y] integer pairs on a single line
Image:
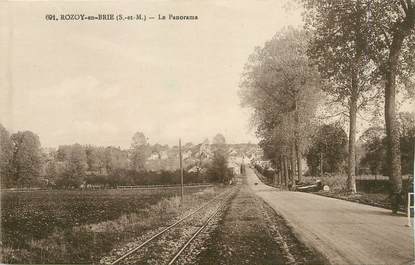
{"points": [[26, 159], [139, 151], [282, 88], [328, 149]]}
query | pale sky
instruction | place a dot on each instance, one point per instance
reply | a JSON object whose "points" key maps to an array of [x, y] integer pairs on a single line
{"points": [[98, 82]]}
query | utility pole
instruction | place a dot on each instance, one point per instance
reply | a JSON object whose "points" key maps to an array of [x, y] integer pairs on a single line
{"points": [[181, 169]]}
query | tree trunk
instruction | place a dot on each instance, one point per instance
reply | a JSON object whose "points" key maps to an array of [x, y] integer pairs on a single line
{"points": [[299, 163], [292, 157], [351, 166], [321, 165], [392, 129], [285, 171], [297, 142], [281, 170], [276, 172]]}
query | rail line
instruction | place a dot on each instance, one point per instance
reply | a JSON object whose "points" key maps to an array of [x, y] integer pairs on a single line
{"points": [[220, 207], [224, 194]]}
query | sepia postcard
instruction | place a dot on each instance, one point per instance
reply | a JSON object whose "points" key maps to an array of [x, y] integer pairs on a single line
{"points": [[207, 132]]}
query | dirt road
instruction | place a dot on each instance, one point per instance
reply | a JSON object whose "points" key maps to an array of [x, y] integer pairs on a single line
{"points": [[343, 232], [250, 232]]}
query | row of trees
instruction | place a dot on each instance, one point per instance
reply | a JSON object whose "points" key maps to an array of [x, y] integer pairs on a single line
{"points": [[328, 152], [374, 145], [24, 164], [284, 91], [358, 53]]}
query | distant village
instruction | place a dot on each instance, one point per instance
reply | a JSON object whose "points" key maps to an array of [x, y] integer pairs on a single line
{"points": [[196, 156], [26, 163], [90, 161]]}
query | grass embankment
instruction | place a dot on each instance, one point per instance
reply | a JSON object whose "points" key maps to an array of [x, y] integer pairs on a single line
{"points": [[266, 180], [370, 190], [82, 226]]}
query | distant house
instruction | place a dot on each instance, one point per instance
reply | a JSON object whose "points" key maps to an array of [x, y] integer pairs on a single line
{"points": [[197, 169], [205, 155], [164, 155], [194, 169], [204, 152], [154, 156]]}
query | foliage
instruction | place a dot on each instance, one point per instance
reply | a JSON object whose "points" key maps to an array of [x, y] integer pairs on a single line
{"points": [[338, 46], [95, 158], [128, 177], [392, 48], [139, 151], [115, 158], [74, 163], [329, 142], [391, 26], [219, 139], [6, 154], [407, 141], [374, 146], [79, 166], [364, 41], [218, 170], [283, 90], [26, 160]]}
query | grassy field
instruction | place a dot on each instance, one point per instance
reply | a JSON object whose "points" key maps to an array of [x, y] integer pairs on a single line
{"points": [[82, 226]]}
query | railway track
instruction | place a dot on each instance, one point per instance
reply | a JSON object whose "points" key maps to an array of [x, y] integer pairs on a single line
{"points": [[166, 246], [205, 224]]}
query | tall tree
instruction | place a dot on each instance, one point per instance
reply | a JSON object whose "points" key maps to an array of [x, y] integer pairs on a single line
{"points": [[219, 139], [139, 151], [77, 164], [115, 158], [283, 90], [94, 158], [407, 141], [392, 47], [27, 160], [6, 154], [74, 163], [338, 46], [218, 168]]}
